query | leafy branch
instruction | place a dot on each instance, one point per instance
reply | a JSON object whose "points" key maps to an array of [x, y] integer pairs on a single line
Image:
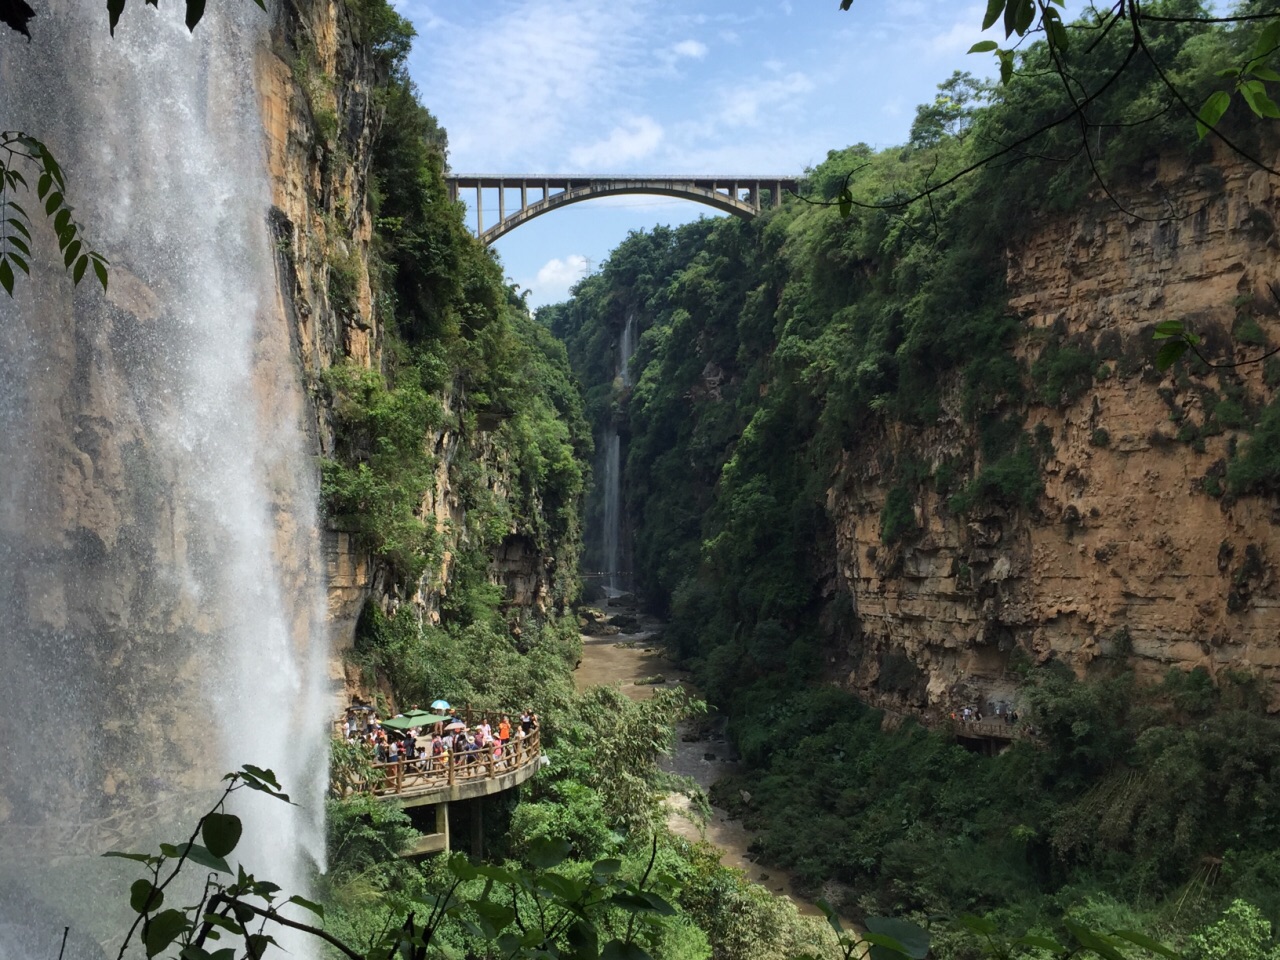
{"points": [[221, 832], [1176, 340], [21, 152], [563, 917], [195, 11], [1021, 19]]}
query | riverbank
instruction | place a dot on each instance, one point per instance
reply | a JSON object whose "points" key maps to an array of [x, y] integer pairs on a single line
{"points": [[634, 661]]}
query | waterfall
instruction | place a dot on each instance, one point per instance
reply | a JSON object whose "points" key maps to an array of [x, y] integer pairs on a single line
{"points": [[626, 347], [613, 536], [161, 603], [612, 532]]}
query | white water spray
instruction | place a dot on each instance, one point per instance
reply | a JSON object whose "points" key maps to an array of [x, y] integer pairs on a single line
{"points": [[161, 604]]}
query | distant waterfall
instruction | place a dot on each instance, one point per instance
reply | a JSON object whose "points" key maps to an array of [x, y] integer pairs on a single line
{"points": [[161, 599], [612, 532], [626, 347], [614, 521]]}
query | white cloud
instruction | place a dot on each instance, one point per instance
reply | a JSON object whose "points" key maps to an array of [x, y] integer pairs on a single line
{"points": [[555, 277], [958, 39], [741, 105], [518, 80], [636, 139], [693, 49]]}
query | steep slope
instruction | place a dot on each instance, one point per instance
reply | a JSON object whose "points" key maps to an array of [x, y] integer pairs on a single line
{"points": [[376, 268], [1134, 550]]}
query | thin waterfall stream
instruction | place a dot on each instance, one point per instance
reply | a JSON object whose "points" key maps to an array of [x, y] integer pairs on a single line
{"points": [[160, 572], [613, 532]]}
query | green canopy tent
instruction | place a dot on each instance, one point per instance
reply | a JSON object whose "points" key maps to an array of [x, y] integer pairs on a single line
{"points": [[415, 718]]}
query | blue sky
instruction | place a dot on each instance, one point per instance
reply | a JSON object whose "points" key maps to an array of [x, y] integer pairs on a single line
{"points": [[652, 86]]}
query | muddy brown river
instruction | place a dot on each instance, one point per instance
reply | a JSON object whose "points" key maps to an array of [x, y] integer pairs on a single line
{"points": [[623, 659]]}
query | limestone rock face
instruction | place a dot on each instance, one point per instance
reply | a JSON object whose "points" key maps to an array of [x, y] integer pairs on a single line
{"points": [[1132, 552], [315, 80]]}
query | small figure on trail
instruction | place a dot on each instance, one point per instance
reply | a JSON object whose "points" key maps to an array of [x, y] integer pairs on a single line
{"points": [[504, 729]]}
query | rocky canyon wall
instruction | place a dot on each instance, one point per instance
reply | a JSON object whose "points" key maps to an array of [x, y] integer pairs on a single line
{"points": [[317, 85], [1134, 552]]}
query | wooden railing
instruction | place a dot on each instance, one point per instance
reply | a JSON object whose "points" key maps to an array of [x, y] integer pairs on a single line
{"points": [[429, 774], [990, 728]]}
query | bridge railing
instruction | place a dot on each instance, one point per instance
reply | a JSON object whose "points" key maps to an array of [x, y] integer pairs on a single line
{"points": [[428, 774]]}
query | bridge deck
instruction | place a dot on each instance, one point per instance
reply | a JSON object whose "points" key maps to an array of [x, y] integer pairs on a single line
{"points": [[455, 776], [738, 194], [562, 181]]}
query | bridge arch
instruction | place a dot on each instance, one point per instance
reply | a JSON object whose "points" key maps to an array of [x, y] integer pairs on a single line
{"points": [[724, 193]]}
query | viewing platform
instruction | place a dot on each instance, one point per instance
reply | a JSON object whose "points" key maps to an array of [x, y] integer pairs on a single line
{"points": [[453, 776], [450, 778]]}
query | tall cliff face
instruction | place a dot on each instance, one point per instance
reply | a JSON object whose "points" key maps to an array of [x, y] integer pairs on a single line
{"points": [[320, 85], [1132, 552], [320, 215]]}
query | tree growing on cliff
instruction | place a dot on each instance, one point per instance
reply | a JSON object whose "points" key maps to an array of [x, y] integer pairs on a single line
{"points": [[1085, 61]]}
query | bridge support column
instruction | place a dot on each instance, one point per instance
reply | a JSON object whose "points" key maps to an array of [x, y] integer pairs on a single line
{"points": [[777, 195], [477, 828], [435, 842], [479, 211], [524, 194], [502, 200]]}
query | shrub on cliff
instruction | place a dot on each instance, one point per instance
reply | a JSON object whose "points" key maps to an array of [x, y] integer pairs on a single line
{"points": [[1257, 469]]}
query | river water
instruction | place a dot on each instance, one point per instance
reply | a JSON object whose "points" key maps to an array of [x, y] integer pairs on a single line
{"points": [[701, 751]]}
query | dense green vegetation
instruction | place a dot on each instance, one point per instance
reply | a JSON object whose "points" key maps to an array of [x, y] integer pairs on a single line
{"points": [[1157, 798], [463, 367], [770, 352], [778, 353], [464, 364]]}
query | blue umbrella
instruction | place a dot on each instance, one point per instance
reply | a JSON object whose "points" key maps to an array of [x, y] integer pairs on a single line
{"points": [[440, 705]]}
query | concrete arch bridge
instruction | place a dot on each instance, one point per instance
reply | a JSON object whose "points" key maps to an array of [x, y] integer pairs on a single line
{"points": [[741, 195]]}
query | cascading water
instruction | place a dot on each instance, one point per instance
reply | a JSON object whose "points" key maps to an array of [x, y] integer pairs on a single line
{"points": [[161, 603], [612, 535], [612, 532]]}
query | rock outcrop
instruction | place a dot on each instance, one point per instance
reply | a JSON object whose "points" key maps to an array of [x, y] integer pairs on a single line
{"points": [[1132, 552], [316, 86]]}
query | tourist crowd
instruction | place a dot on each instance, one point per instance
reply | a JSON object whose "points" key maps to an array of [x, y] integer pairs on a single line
{"points": [[423, 749], [975, 715]]}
